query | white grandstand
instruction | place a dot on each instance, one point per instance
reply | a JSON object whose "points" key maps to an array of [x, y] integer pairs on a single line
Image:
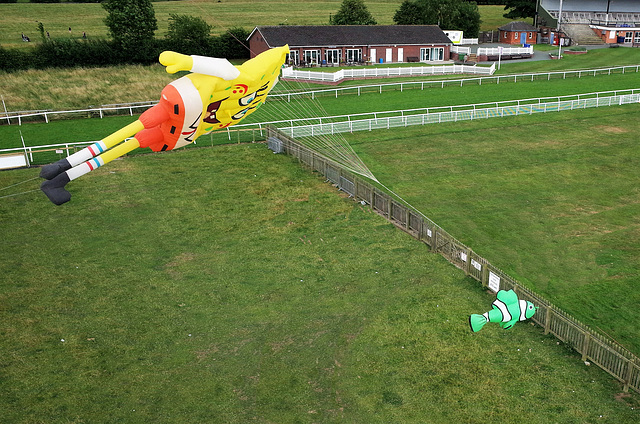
{"points": [[593, 21], [585, 11]]}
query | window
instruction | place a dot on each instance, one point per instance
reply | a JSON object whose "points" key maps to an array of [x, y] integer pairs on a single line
{"points": [[505, 34], [333, 55], [354, 55], [432, 54], [636, 39], [530, 35], [627, 36], [311, 56], [294, 57]]}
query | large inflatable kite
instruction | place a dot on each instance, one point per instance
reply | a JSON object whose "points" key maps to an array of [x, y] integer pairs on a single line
{"points": [[214, 95], [507, 309]]}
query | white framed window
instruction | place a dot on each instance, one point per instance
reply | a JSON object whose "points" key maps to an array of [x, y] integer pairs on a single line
{"points": [[636, 38], [628, 36], [294, 57], [354, 55], [333, 55], [432, 54], [311, 56]]}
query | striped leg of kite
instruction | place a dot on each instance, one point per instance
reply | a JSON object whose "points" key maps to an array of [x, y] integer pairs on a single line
{"points": [[51, 171], [55, 188]]}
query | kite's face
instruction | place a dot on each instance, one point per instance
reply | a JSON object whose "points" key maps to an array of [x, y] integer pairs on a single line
{"points": [[530, 310], [247, 92]]}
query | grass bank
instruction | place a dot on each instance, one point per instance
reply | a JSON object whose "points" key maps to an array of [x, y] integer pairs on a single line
{"points": [[551, 199], [230, 285], [61, 89]]}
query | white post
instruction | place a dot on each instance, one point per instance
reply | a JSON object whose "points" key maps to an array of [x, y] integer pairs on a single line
{"points": [[5, 110], [24, 146], [559, 38]]}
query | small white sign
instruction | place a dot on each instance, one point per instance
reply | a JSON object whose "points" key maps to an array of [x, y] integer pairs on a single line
{"points": [[476, 265], [494, 282], [59, 151], [463, 256], [429, 233]]}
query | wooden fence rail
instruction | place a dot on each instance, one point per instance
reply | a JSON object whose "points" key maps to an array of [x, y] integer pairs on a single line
{"points": [[600, 350]]}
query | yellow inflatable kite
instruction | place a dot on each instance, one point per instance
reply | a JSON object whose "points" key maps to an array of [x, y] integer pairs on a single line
{"points": [[214, 95]]}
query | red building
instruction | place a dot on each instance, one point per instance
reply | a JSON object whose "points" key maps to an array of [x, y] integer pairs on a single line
{"points": [[518, 33], [349, 44]]}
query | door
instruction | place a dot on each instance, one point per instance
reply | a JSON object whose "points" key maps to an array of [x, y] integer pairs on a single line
{"points": [[373, 55], [523, 38], [389, 57], [400, 54]]}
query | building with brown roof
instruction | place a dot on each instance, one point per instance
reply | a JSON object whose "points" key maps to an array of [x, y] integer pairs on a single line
{"points": [[350, 44], [518, 32]]}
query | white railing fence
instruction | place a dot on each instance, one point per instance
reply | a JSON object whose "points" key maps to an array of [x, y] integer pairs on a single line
{"points": [[290, 73], [314, 126], [351, 123], [460, 49], [139, 107], [505, 51]]}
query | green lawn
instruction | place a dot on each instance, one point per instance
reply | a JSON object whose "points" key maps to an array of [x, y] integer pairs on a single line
{"points": [[551, 199], [227, 284], [230, 285], [95, 129]]}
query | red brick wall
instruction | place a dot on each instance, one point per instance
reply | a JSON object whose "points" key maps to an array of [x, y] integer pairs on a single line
{"points": [[513, 37]]}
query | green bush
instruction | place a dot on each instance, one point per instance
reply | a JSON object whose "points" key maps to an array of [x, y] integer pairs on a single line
{"points": [[90, 53]]}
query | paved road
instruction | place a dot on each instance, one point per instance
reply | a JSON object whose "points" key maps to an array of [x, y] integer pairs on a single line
{"points": [[537, 55]]}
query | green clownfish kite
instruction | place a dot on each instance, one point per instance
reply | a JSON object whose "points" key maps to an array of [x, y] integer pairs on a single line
{"points": [[506, 310]]}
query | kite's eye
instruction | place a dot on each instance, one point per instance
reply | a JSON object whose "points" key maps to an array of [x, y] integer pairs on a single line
{"points": [[246, 100], [240, 114]]}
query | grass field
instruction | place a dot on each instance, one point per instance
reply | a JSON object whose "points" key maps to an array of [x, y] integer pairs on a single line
{"points": [[71, 90], [88, 17], [61, 89], [228, 284], [553, 200]]}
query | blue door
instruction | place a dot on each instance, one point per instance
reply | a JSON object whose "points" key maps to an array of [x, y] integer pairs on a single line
{"points": [[523, 38]]}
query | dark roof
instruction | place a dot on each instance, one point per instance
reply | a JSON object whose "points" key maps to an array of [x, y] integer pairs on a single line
{"points": [[352, 35], [517, 26]]}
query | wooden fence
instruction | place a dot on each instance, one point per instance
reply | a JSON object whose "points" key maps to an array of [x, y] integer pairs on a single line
{"points": [[594, 347]]}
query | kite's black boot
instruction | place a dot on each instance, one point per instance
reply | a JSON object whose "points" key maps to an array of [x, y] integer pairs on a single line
{"points": [[54, 189], [52, 170]]}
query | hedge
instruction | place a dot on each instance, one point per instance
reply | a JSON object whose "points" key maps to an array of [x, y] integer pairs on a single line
{"points": [[90, 53]]}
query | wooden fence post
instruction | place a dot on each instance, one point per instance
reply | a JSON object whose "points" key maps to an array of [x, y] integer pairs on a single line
{"points": [[547, 320], [627, 376], [585, 345], [467, 265]]}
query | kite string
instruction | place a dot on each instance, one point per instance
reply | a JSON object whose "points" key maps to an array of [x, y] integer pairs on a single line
{"points": [[16, 184], [335, 147], [17, 194]]}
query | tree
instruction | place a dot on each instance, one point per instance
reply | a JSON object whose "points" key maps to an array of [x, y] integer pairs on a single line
{"points": [[409, 13], [447, 14], [520, 9], [131, 23], [353, 12], [188, 34]]}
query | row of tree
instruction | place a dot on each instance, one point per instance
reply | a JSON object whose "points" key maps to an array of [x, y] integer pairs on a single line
{"points": [[462, 15], [132, 25]]}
